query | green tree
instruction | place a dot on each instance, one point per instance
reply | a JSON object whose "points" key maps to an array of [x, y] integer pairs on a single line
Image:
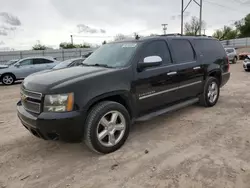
{"points": [[243, 26], [39, 47], [192, 28], [66, 45], [226, 33], [119, 37]]}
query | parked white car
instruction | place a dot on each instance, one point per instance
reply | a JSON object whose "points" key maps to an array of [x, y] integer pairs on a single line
{"points": [[246, 63], [24, 67]]}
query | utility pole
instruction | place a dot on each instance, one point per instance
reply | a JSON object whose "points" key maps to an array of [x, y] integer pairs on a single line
{"points": [[164, 28], [184, 9], [182, 6], [71, 37], [200, 15]]}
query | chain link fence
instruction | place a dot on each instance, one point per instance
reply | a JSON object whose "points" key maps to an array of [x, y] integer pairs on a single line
{"points": [[60, 55]]}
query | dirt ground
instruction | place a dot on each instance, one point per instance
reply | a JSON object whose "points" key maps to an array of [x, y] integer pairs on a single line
{"points": [[194, 147]]}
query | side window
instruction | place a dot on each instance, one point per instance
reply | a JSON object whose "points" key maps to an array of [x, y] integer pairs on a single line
{"points": [[26, 62], [47, 61], [209, 48], [183, 51], [38, 61], [157, 48]]}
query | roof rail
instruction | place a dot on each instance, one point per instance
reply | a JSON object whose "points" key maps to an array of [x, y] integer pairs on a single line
{"points": [[172, 34]]}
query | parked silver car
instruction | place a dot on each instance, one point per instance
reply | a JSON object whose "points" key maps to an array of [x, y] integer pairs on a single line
{"points": [[24, 67], [232, 55]]}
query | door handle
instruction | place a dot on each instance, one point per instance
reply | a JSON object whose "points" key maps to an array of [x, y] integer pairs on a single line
{"points": [[196, 68], [172, 73]]}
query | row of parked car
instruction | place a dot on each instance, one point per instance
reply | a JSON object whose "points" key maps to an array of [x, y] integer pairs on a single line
{"points": [[15, 70], [233, 57]]}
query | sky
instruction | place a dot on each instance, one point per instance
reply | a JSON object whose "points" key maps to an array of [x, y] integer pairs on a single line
{"points": [[24, 23]]}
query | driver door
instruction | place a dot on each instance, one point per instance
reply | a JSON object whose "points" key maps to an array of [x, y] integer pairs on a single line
{"points": [[25, 68], [156, 86]]}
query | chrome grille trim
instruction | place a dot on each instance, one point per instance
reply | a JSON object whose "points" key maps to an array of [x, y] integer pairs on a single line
{"points": [[28, 100], [31, 94]]}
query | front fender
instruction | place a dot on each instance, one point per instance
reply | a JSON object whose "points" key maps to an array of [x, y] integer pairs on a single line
{"points": [[126, 96]]}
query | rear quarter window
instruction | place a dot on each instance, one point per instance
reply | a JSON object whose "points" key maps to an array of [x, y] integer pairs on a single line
{"points": [[210, 48]]}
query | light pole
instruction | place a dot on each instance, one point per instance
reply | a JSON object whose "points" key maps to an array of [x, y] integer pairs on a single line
{"points": [[71, 37], [164, 28]]}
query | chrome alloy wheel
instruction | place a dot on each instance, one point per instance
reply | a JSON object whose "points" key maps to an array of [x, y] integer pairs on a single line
{"points": [[212, 92], [111, 128], [8, 80]]}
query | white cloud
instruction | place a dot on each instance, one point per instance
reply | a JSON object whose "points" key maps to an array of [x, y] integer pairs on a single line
{"points": [[24, 22]]}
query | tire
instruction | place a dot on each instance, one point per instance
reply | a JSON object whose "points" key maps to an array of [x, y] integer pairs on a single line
{"points": [[204, 98], [247, 70], [235, 60], [8, 79], [94, 127]]}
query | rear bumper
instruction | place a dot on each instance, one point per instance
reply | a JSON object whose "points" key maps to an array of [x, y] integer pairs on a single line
{"points": [[66, 126], [224, 78]]}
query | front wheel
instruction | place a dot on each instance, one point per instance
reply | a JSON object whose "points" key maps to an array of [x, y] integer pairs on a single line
{"points": [[211, 92], [8, 79], [107, 127]]}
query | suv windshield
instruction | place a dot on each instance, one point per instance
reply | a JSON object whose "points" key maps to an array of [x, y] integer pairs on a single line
{"points": [[112, 55], [229, 50]]}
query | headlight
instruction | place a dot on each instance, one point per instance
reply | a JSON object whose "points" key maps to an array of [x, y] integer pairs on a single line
{"points": [[59, 103]]}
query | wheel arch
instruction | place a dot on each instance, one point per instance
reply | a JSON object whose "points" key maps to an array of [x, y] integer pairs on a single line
{"points": [[8, 73], [122, 97], [217, 74]]}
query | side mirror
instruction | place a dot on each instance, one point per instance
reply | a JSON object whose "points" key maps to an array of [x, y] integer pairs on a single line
{"points": [[17, 65], [150, 61]]}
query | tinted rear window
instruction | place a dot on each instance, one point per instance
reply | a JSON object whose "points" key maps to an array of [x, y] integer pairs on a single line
{"points": [[210, 48], [183, 51]]}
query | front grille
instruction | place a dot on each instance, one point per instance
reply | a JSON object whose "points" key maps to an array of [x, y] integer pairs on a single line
{"points": [[31, 101]]}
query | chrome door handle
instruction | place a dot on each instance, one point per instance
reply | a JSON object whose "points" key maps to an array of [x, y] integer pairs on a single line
{"points": [[172, 73], [196, 68]]}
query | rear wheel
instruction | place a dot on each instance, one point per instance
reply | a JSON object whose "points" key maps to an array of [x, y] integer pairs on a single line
{"points": [[8, 79], [107, 127], [235, 60], [211, 92]]}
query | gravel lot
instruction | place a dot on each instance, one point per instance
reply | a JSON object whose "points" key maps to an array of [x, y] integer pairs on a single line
{"points": [[192, 148]]}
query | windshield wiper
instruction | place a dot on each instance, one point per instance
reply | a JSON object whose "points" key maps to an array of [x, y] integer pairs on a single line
{"points": [[97, 65]]}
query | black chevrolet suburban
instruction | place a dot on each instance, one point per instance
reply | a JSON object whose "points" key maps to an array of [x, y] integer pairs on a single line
{"points": [[121, 83]]}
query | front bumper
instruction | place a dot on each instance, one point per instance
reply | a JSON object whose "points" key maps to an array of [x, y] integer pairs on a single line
{"points": [[67, 126], [224, 79], [246, 66]]}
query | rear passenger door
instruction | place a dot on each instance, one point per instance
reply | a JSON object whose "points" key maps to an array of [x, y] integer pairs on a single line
{"points": [[42, 64], [189, 69], [156, 86]]}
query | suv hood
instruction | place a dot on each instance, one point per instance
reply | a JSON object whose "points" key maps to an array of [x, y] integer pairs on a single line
{"points": [[42, 81]]}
